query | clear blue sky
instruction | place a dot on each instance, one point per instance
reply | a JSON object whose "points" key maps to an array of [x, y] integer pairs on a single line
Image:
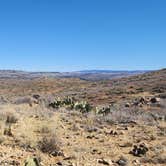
{"points": [[67, 35]]}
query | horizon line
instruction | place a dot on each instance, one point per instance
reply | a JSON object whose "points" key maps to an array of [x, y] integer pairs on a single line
{"points": [[83, 70]]}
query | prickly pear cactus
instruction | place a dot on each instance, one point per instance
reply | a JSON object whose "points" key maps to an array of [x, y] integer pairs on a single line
{"points": [[71, 103], [32, 162], [56, 104], [103, 110], [82, 106], [68, 101]]}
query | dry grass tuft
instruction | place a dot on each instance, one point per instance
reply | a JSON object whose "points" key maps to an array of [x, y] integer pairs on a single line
{"points": [[8, 131], [49, 145], [11, 119]]}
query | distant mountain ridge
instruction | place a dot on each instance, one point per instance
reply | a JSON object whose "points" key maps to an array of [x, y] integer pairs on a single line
{"points": [[113, 71], [93, 75]]}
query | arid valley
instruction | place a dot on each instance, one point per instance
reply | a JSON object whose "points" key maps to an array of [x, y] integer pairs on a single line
{"points": [[49, 121]]}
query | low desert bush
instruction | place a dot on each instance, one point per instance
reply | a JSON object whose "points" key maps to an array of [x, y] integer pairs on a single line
{"points": [[8, 131], [2, 139], [127, 115], [116, 91], [23, 100], [11, 118], [49, 145], [163, 95], [44, 130], [156, 160]]}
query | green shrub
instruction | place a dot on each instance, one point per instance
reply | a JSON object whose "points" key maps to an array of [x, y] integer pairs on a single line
{"points": [[103, 110], [83, 106]]}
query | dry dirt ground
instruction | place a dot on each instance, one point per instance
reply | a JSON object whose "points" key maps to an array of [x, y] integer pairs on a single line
{"points": [[31, 130]]}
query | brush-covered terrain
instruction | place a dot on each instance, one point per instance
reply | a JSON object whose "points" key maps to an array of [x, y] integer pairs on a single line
{"points": [[48, 121]]}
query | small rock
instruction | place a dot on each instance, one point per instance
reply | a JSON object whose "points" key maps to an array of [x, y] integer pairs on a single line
{"points": [[140, 105], [95, 151], [69, 158], [91, 129], [36, 96], [155, 100], [126, 144], [105, 161], [90, 136], [101, 140], [136, 162], [142, 100], [59, 163], [64, 163], [57, 153], [122, 161], [139, 150], [8, 132], [127, 105], [114, 133]]}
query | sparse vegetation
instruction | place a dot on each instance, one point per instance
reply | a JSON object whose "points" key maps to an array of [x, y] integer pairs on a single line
{"points": [[71, 103], [11, 119], [83, 106], [44, 130], [89, 123], [50, 145], [8, 131]]}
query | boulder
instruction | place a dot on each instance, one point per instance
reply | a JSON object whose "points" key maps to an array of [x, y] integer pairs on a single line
{"points": [[155, 100], [139, 150], [127, 105], [142, 100], [36, 96]]}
